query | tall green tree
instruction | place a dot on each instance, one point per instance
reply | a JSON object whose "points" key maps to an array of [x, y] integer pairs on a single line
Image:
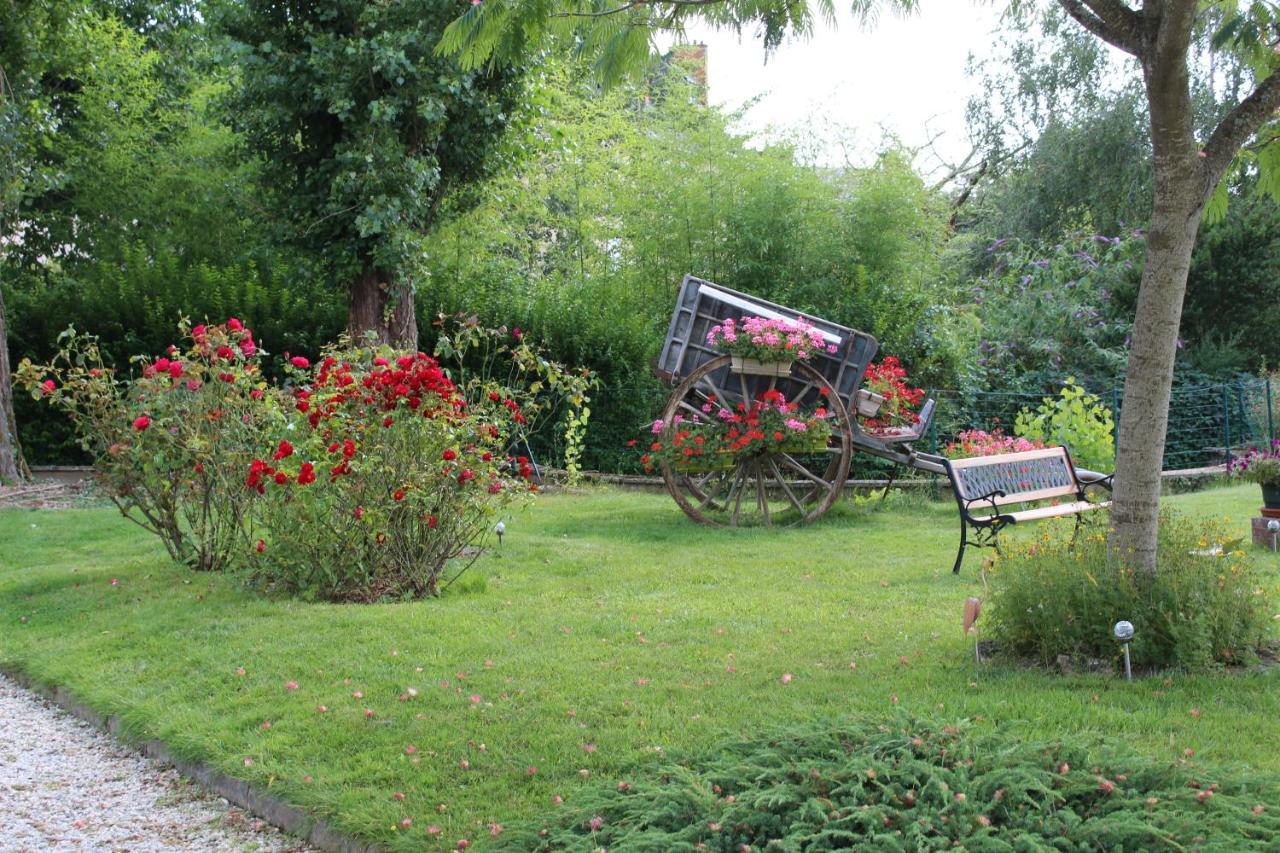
{"points": [[1187, 170], [30, 41], [363, 129]]}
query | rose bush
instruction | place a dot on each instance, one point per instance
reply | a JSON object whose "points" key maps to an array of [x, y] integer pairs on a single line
{"points": [[361, 478], [379, 474], [168, 444]]}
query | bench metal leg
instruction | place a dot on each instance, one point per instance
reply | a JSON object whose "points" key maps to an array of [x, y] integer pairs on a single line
{"points": [[964, 543], [1075, 534]]}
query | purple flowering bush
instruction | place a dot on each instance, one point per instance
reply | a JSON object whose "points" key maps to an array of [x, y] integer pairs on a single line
{"points": [[1052, 310]]}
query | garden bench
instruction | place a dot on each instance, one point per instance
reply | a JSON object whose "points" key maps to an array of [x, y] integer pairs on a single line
{"points": [[985, 486]]}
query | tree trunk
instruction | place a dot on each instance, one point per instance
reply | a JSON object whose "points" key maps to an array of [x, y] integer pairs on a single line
{"points": [[12, 467], [379, 305], [1179, 204]]}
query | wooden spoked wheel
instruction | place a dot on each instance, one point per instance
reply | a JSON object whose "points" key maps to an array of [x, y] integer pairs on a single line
{"points": [[768, 488]]}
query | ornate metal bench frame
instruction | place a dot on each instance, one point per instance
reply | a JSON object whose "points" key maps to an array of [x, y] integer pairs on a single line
{"points": [[988, 484]]}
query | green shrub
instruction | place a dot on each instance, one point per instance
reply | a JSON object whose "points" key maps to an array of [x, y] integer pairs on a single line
{"points": [[909, 785], [1196, 611], [1076, 420]]}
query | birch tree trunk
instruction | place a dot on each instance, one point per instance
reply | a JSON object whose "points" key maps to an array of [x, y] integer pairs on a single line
{"points": [[1177, 209]]}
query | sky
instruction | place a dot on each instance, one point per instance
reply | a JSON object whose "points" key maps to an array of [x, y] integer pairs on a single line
{"points": [[852, 84]]}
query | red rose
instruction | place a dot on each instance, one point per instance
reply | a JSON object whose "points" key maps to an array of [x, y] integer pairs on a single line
{"points": [[465, 476], [399, 495], [386, 422], [256, 393], [487, 456], [493, 395], [300, 362], [449, 456], [380, 362], [141, 422], [235, 325], [175, 369], [198, 332], [285, 449], [307, 474], [281, 478], [260, 547], [432, 521], [48, 387], [358, 512]]}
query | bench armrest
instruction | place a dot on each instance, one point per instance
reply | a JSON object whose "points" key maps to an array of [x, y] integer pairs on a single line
{"points": [[989, 497]]}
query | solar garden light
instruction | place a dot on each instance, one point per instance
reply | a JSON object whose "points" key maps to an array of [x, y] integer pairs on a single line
{"points": [[1274, 526], [499, 529], [1124, 635]]}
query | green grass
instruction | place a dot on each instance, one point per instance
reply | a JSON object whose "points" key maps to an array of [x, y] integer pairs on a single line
{"points": [[605, 620]]}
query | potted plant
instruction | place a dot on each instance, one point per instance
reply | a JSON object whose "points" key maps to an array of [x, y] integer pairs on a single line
{"points": [[766, 346], [890, 402], [1261, 466], [721, 437]]}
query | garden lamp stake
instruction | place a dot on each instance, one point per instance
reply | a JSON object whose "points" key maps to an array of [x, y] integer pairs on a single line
{"points": [[972, 609], [1124, 635], [1274, 526], [499, 529]]}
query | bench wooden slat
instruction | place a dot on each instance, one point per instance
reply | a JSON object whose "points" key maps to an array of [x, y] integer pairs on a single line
{"points": [[1053, 511]]}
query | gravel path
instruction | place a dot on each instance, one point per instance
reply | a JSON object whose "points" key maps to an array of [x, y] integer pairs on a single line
{"points": [[66, 786]]}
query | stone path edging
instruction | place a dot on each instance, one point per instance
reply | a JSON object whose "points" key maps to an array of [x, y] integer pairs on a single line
{"points": [[273, 810]]}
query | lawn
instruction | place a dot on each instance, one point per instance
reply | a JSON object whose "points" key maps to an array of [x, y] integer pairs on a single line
{"points": [[606, 634]]}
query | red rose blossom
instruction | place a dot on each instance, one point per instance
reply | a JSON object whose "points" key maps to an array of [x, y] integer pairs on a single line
{"points": [[300, 362], [449, 456], [141, 422]]}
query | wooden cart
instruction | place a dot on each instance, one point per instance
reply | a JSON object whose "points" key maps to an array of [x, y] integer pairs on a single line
{"points": [[781, 487]]}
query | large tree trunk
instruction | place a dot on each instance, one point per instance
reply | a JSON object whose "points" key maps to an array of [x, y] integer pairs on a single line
{"points": [[1179, 205], [380, 305], [12, 466]]}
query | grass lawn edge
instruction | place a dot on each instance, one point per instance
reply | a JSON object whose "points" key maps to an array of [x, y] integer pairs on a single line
{"points": [[288, 818]]}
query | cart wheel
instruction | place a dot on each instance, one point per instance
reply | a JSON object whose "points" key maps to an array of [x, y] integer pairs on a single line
{"points": [[767, 489]]}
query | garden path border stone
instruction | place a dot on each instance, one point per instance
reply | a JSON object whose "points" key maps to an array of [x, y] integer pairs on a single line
{"points": [[291, 819]]}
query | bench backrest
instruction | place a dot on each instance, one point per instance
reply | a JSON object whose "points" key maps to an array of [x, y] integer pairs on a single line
{"points": [[1031, 475]]}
